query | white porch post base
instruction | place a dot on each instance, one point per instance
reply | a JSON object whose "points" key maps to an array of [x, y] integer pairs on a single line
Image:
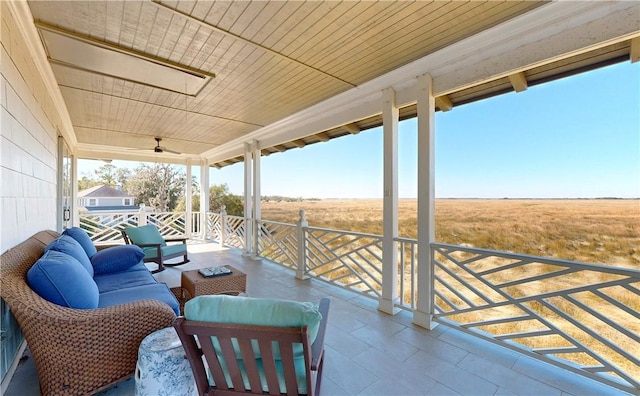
{"points": [[388, 306], [301, 276], [423, 319]]}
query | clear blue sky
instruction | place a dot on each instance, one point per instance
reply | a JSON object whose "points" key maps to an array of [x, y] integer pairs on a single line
{"points": [[578, 137]]}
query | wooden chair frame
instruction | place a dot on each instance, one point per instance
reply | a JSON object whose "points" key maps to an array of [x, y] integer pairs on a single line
{"points": [[196, 340]]}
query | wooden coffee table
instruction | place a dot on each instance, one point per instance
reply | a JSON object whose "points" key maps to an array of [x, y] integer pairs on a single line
{"points": [[193, 284]]}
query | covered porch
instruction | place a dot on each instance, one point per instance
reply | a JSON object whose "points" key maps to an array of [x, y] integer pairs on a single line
{"points": [[398, 319], [373, 353]]}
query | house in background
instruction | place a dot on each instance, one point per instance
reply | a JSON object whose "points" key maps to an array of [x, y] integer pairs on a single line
{"points": [[106, 198]]}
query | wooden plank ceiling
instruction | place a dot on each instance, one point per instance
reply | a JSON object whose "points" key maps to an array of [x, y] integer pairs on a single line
{"points": [[270, 58]]}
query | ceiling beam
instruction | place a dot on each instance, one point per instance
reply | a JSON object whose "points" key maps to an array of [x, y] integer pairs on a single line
{"points": [[279, 148], [352, 128], [635, 49], [323, 136], [518, 81], [298, 143], [444, 103]]}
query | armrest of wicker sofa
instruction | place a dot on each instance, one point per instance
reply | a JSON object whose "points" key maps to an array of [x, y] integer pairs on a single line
{"points": [[75, 351], [103, 342]]}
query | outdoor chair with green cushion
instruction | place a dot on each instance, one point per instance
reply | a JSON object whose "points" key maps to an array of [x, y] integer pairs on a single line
{"points": [[155, 247], [254, 345]]}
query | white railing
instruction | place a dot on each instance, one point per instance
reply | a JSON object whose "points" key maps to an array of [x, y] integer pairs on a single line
{"points": [[582, 317], [104, 227], [346, 259], [234, 231], [278, 242], [407, 270], [170, 224]]}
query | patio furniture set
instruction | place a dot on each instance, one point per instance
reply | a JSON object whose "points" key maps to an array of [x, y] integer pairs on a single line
{"points": [[94, 316]]}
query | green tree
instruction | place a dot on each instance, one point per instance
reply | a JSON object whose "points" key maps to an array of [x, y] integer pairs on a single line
{"points": [[122, 177], [195, 199], [86, 183], [219, 195], [107, 174], [159, 185]]}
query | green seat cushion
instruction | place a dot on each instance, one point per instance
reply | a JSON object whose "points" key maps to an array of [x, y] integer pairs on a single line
{"points": [[258, 312], [145, 234], [168, 250], [254, 311]]}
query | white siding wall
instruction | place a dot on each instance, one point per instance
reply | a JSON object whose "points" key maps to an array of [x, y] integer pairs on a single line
{"points": [[28, 122]]}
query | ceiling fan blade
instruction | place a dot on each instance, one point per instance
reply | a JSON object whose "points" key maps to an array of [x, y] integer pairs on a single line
{"points": [[166, 150]]}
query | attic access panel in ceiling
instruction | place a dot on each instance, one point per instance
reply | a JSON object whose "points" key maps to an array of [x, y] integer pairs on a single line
{"points": [[70, 50]]}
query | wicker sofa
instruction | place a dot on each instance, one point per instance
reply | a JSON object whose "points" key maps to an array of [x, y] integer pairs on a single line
{"points": [[75, 351]]}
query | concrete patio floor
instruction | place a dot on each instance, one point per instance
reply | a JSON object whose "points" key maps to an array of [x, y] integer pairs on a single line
{"points": [[372, 353]]}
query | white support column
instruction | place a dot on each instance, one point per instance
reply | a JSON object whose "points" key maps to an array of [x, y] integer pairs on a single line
{"points": [[60, 185], [390, 204], [188, 197], [248, 184], [204, 199], [422, 316], [256, 200], [75, 216]]}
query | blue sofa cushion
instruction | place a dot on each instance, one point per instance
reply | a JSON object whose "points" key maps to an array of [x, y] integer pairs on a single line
{"points": [[68, 245], [61, 279], [116, 259], [137, 275], [82, 238], [145, 234], [159, 292]]}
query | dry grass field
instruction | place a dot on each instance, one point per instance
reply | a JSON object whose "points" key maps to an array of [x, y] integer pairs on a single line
{"points": [[592, 231]]}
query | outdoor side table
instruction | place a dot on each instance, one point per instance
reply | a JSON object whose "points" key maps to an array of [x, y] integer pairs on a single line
{"points": [[193, 284]]}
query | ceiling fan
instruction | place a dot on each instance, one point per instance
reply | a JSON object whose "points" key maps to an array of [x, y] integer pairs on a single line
{"points": [[160, 149]]}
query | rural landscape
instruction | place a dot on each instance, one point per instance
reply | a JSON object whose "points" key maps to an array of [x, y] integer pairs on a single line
{"points": [[597, 231]]}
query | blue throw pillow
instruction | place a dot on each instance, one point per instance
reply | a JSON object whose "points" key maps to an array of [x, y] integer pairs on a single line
{"points": [[116, 259], [60, 279], [68, 245], [82, 238]]}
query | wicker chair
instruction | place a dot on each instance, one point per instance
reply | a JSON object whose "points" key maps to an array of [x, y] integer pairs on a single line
{"points": [[269, 374], [75, 351]]}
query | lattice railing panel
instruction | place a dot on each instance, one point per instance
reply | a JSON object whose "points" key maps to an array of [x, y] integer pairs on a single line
{"points": [[582, 317], [214, 225], [170, 224], [347, 259], [278, 242], [105, 228], [235, 231]]}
